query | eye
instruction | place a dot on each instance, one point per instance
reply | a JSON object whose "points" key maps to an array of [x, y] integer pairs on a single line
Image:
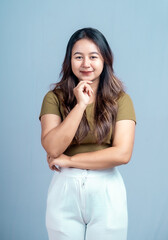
{"points": [[93, 57], [78, 57]]}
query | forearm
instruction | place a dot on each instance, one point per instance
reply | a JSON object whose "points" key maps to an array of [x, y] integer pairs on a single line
{"points": [[59, 138], [102, 159]]}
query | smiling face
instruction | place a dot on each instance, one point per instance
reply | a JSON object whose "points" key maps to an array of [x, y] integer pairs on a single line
{"points": [[86, 61]]}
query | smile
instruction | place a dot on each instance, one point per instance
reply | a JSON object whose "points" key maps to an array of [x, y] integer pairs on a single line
{"points": [[86, 72]]}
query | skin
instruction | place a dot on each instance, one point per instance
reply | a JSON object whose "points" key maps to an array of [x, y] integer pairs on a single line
{"points": [[87, 64]]}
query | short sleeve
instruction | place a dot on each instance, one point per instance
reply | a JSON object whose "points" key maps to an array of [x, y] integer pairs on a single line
{"points": [[50, 105], [125, 108]]}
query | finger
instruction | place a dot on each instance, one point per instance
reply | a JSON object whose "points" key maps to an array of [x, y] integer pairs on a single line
{"points": [[86, 84], [88, 90], [89, 82], [58, 170], [83, 85], [52, 166], [82, 82], [55, 168]]}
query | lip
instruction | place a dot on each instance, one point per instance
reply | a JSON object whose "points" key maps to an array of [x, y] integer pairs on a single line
{"points": [[86, 72]]}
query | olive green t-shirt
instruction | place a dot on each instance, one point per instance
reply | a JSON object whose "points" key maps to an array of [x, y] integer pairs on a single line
{"points": [[52, 105]]}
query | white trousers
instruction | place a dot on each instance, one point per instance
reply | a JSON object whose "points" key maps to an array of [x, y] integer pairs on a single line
{"points": [[87, 205]]}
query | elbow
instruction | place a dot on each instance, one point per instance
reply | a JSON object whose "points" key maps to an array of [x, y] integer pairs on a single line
{"points": [[52, 152], [126, 160], [125, 157]]}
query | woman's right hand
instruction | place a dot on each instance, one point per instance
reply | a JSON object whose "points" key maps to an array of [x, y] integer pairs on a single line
{"points": [[83, 92]]}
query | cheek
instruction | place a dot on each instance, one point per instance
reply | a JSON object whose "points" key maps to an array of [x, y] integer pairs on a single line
{"points": [[74, 66], [99, 66], [102, 66]]}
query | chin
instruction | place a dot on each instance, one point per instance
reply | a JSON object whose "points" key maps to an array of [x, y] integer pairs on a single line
{"points": [[87, 79]]}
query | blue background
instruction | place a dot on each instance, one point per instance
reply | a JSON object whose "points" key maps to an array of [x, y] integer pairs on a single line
{"points": [[33, 40]]}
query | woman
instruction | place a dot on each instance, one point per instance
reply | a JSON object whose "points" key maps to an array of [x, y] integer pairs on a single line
{"points": [[88, 127]]}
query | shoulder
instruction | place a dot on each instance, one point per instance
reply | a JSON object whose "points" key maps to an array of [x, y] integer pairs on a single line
{"points": [[51, 103], [125, 108], [124, 99], [53, 96]]}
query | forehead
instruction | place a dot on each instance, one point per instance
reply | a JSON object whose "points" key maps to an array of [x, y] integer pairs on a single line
{"points": [[85, 46]]}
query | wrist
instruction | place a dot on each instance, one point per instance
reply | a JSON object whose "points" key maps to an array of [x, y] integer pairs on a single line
{"points": [[71, 160], [82, 106]]}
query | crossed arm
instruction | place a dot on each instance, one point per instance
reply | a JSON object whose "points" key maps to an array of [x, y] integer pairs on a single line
{"points": [[60, 134], [118, 154]]}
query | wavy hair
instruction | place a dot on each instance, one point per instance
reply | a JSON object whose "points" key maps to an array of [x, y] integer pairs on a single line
{"points": [[109, 89]]}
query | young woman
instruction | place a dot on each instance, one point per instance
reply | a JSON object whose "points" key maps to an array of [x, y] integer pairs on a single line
{"points": [[88, 126]]}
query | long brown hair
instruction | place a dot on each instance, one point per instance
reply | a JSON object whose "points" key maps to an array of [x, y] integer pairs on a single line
{"points": [[109, 89]]}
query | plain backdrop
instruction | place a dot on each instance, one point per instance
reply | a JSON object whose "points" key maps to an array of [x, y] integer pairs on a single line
{"points": [[34, 35]]}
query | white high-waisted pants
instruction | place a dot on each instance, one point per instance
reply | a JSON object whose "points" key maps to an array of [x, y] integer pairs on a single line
{"points": [[87, 205]]}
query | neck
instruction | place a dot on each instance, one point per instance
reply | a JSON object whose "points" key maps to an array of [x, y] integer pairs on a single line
{"points": [[94, 85]]}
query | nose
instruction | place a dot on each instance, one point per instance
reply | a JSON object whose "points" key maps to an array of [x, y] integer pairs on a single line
{"points": [[86, 63]]}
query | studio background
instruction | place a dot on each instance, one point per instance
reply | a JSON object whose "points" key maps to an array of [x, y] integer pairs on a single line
{"points": [[34, 35]]}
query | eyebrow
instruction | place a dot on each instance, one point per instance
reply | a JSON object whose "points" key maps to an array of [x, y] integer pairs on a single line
{"points": [[89, 53]]}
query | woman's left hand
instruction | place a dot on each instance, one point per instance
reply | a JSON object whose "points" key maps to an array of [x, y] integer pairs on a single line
{"points": [[61, 161]]}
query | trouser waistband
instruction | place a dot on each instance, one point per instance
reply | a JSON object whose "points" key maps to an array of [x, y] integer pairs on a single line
{"points": [[76, 172]]}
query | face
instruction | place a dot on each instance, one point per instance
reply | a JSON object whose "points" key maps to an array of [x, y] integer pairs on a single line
{"points": [[86, 61]]}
